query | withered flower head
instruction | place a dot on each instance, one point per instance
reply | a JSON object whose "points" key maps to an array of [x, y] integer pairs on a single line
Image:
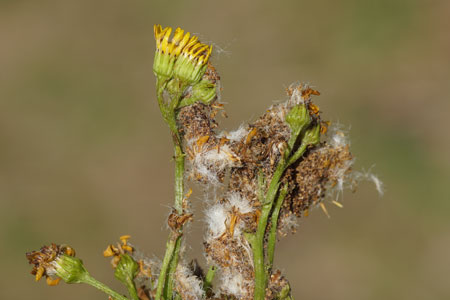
{"points": [[116, 252], [126, 268], [56, 262]]}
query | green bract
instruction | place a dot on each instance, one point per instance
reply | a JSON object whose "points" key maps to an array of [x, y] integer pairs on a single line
{"points": [[189, 70], [298, 118], [70, 269], [163, 65], [126, 269]]}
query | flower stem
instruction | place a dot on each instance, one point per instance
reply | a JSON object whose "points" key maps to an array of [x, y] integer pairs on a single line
{"points": [[170, 247], [102, 287], [173, 246], [257, 240], [273, 227], [132, 290], [172, 269]]}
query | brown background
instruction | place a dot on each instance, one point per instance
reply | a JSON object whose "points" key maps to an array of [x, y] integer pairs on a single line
{"points": [[85, 156]]}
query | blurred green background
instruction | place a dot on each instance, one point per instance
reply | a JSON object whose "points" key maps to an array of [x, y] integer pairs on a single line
{"points": [[85, 156]]}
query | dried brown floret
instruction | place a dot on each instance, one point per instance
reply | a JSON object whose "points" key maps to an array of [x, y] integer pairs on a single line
{"points": [[44, 261], [309, 180], [277, 282]]}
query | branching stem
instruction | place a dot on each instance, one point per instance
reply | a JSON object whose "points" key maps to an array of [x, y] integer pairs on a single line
{"points": [[257, 240]]}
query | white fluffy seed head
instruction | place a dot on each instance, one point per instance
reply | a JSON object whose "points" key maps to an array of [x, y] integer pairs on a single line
{"points": [[216, 218], [236, 135], [234, 284], [188, 285], [296, 97], [211, 162], [239, 203]]}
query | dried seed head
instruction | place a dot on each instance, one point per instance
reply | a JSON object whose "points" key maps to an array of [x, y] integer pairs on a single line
{"points": [[57, 261], [188, 285]]}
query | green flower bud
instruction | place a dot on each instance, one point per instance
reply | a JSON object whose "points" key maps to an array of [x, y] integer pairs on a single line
{"points": [[312, 135], [70, 269], [126, 269], [298, 118], [204, 91], [284, 293]]}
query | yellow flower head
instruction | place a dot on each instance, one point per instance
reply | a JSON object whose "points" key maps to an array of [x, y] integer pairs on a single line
{"points": [[181, 55], [197, 52], [172, 46]]}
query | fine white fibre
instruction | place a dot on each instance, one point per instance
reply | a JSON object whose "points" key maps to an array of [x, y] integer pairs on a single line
{"points": [[216, 217], [296, 97], [234, 284], [239, 203], [369, 176], [211, 162], [236, 135], [188, 285], [288, 224], [378, 184], [344, 178], [338, 137]]}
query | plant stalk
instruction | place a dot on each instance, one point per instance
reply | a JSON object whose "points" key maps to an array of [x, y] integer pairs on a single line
{"points": [[173, 246], [102, 287], [257, 239], [273, 228]]}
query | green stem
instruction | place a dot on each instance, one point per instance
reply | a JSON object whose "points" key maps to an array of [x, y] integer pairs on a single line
{"points": [[102, 287], [170, 247], [132, 290], [297, 154], [173, 246], [257, 240], [179, 178], [172, 269], [273, 227]]}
